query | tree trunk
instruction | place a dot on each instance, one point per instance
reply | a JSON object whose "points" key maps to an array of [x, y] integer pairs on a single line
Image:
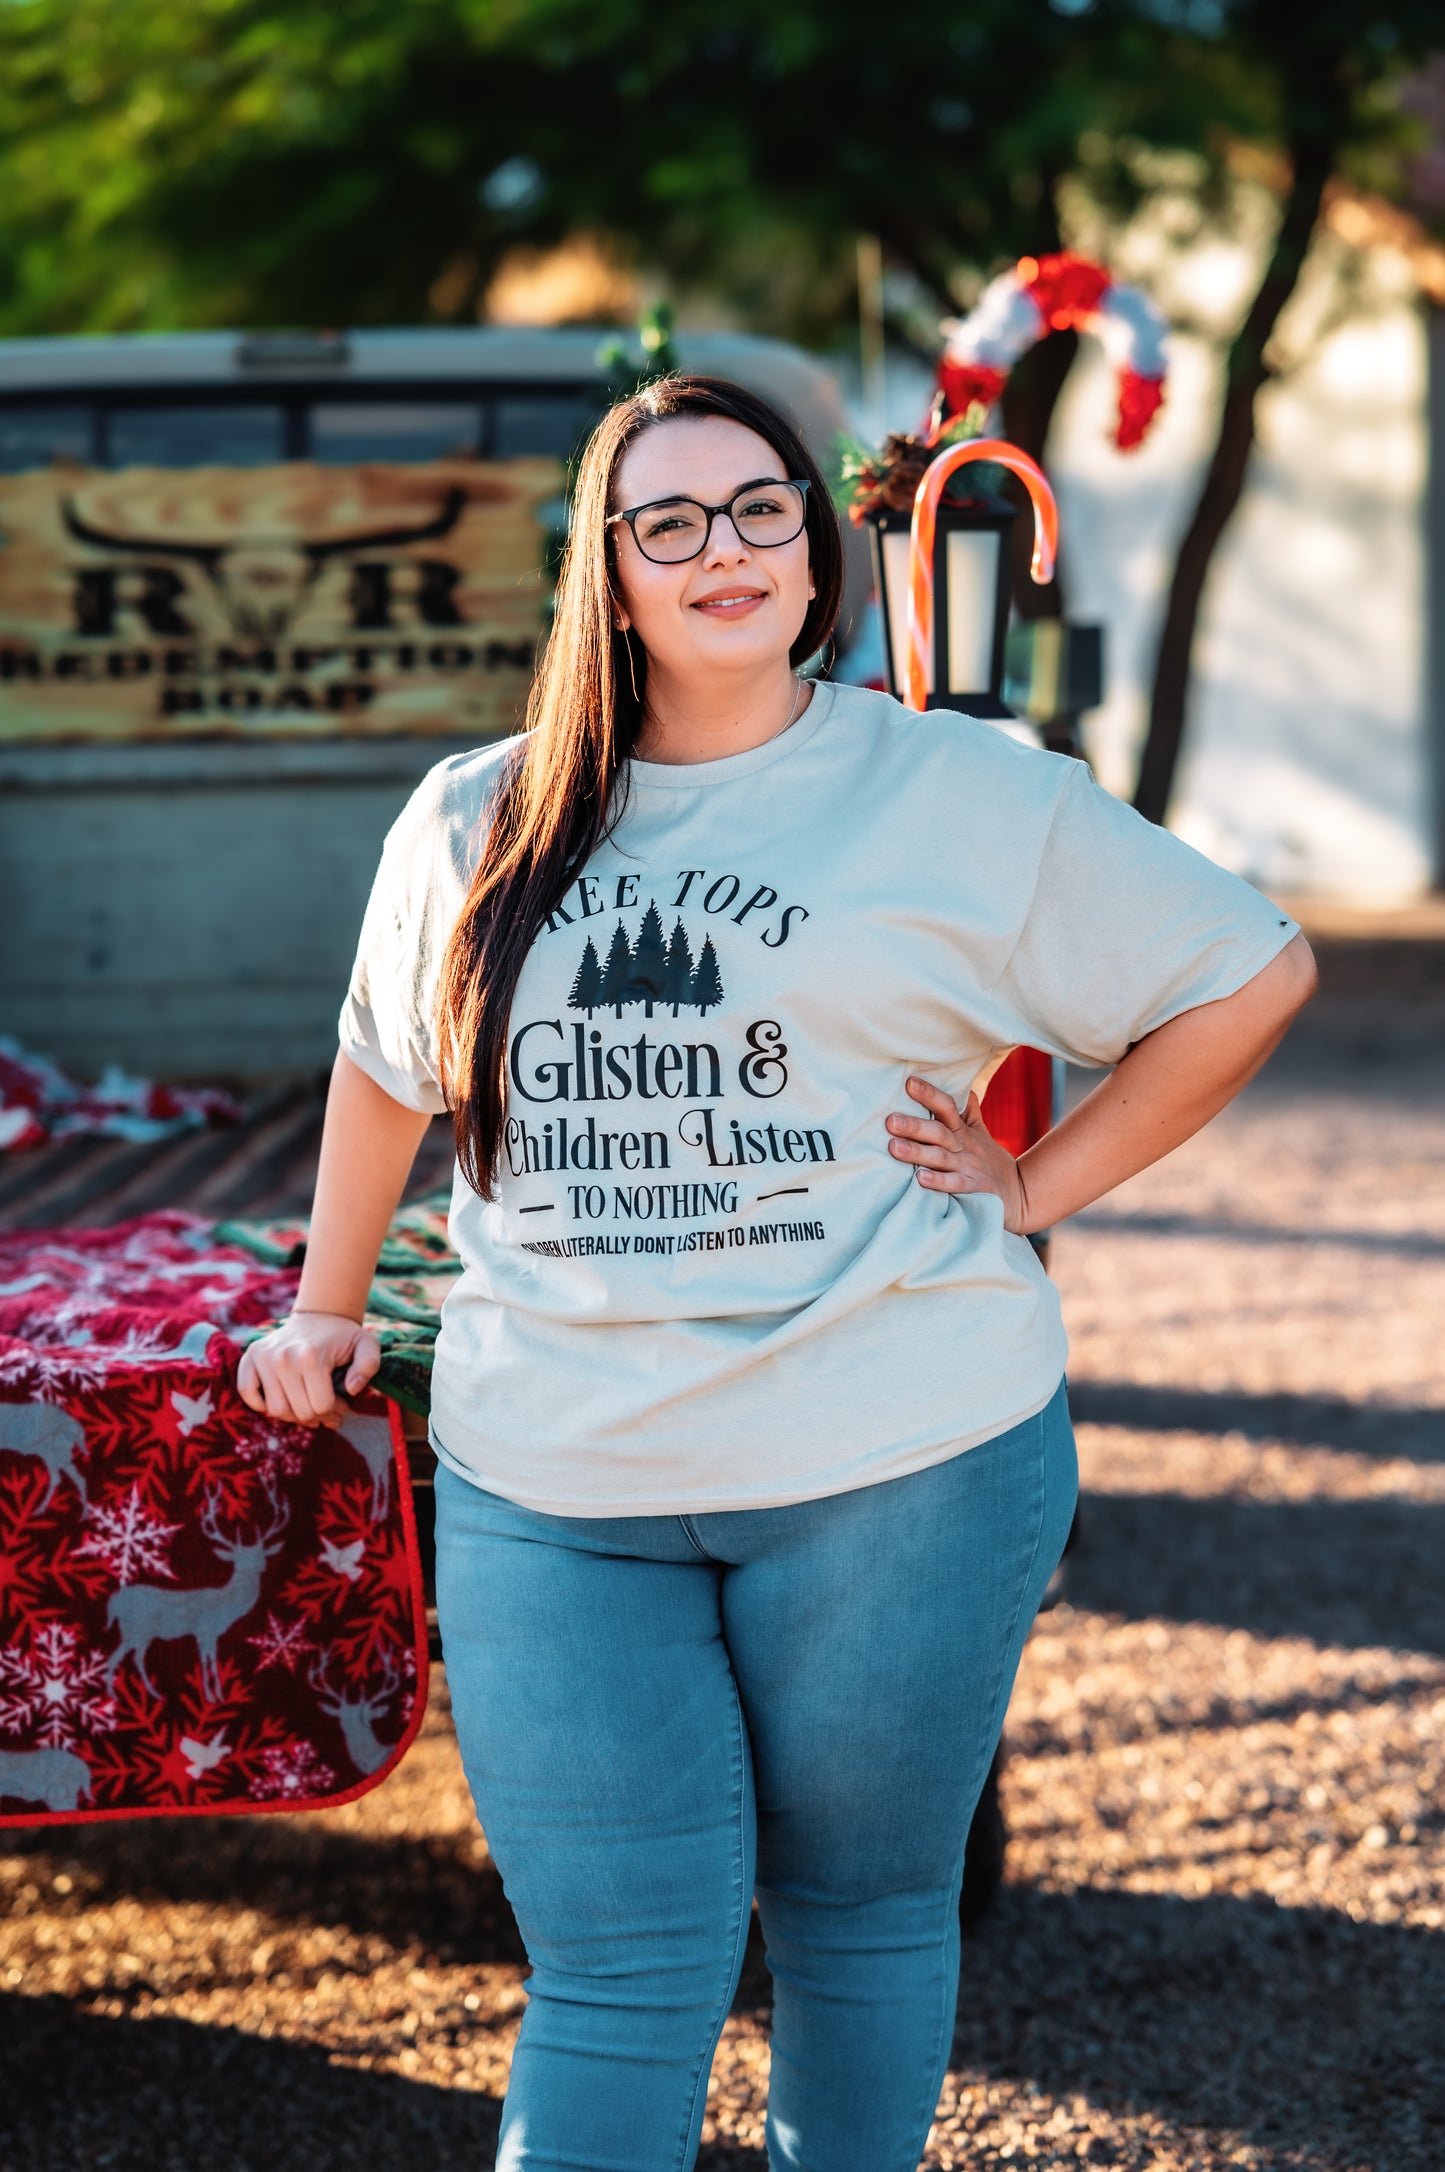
{"points": [[1029, 400], [1313, 159]]}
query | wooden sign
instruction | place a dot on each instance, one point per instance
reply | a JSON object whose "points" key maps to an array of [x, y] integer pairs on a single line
{"points": [[299, 599]]}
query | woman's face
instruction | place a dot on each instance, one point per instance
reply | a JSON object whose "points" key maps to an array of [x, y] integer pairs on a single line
{"points": [[736, 606]]}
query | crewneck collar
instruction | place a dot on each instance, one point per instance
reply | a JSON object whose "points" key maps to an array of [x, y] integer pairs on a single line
{"points": [[690, 776]]}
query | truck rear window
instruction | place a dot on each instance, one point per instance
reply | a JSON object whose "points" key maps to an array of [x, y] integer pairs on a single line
{"points": [[351, 430], [196, 436], [33, 437]]}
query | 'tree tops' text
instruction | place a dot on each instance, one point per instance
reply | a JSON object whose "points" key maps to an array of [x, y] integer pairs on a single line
{"points": [[588, 897]]}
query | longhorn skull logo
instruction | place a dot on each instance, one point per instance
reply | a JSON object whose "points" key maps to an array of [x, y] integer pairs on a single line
{"points": [[262, 581]]}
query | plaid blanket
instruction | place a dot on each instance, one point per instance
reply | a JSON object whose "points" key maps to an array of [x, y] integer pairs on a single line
{"points": [[201, 1609]]}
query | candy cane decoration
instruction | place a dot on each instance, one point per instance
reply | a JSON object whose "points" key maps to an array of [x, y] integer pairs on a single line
{"points": [[925, 519], [1058, 294]]}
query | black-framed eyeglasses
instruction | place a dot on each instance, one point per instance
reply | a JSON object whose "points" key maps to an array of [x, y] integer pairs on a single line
{"points": [[671, 530]]}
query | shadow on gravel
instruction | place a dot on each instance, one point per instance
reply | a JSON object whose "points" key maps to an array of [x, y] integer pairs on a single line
{"points": [[1411, 1430], [78, 2091], [1145, 1722], [169, 2096], [445, 1901], [1316, 2038], [1342, 1573]]}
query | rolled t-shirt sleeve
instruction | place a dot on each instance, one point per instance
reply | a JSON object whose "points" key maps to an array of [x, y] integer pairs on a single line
{"points": [[1128, 926], [387, 1024]]}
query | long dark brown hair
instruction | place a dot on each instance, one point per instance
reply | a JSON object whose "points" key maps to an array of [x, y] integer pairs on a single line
{"points": [[567, 788]]}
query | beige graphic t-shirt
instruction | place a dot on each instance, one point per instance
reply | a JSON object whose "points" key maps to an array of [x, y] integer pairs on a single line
{"points": [[704, 1282]]}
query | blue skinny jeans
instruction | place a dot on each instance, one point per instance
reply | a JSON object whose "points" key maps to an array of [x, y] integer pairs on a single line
{"points": [[661, 1715]]}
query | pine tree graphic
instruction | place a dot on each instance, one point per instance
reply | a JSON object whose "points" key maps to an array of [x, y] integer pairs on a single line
{"points": [[649, 962], [587, 987], [617, 973], [652, 973], [677, 974], [707, 987]]}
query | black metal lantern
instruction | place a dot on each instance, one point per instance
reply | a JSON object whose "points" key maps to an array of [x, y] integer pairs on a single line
{"points": [[972, 586]]}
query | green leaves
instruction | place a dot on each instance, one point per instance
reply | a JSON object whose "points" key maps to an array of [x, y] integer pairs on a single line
{"points": [[267, 162]]}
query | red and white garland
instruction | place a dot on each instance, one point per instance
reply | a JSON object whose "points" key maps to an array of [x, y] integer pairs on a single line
{"points": [[1058, 294]]}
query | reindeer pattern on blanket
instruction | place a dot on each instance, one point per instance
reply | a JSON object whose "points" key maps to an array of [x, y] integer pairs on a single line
{"points": [[200, 1608]]}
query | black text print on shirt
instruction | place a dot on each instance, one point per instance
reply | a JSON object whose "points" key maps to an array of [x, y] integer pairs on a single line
{"points": [[715, 895], [567, 1075]]}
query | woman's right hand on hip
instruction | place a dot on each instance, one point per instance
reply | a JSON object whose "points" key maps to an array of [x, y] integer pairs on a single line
{"points": [[287, 1374]]}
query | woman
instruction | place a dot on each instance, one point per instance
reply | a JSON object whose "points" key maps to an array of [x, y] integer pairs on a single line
{"points": [[755, 1456]]}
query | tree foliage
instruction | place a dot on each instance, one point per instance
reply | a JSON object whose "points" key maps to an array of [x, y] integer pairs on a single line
{"points": [[649, 962], [313, 162], [677, 982], [587, 987], [257, 163], [617, 973]]}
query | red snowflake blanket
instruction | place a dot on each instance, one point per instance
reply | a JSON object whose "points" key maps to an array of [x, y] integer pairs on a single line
{"points": [[200, 1609]]}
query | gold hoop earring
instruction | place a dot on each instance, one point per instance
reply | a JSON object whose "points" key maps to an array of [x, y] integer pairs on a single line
{"points": [[631, 664]]}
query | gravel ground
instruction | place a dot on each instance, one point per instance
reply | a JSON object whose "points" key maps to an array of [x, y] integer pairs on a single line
{"points": [[1220, 1943]]}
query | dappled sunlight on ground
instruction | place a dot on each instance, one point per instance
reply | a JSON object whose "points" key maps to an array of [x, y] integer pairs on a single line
{"points": [[1222, 1939]]}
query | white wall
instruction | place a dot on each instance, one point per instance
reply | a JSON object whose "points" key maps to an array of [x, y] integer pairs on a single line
{"points": [[1305, 760]]}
